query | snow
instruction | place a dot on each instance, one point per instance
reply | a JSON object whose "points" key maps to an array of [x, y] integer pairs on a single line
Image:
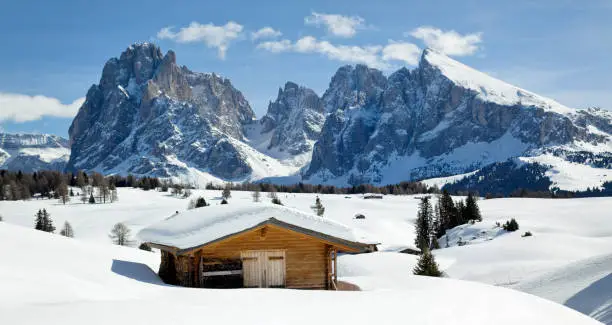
{"points": [[82, 282], [441, 181], [201, 226], [571, 176], [585, 286], [489, 88], [103, 284]]}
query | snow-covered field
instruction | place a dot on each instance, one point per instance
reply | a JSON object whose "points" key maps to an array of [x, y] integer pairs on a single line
{"points": [[59, 280]]}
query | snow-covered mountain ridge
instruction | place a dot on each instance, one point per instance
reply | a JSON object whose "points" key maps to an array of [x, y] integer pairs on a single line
{"points": [[32, 152], [149, 116]]}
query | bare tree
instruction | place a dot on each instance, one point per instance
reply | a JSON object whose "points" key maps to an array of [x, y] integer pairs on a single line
{"points": [[120, 235], [227, 191], [256, 195], [67, 230], [63, 192]]}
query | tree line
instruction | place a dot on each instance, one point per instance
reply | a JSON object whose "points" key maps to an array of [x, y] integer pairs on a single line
{"points": [[92, 187], [402, 188]]}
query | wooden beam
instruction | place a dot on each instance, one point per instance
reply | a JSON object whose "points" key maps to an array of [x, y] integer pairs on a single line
{"points": [[335, 268]]}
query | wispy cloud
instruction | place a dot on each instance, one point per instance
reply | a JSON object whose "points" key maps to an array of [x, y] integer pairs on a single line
{"points": [[448, 42], [23, 108], [368, 55], [266, 32], [401, 51], [337, 25], [213, 36], [376, 56]]}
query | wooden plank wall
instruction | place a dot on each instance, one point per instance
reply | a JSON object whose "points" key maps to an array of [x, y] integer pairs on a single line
{"points": [[306, 258]]}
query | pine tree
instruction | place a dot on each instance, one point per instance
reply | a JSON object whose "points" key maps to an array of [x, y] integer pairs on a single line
{"points": [[67, 230], [423, 224], [318, 207], [227, 191], [448, 212], [92, 200], [256, 195], [472, 212], [84, 196], [200, 202], [39, 224], [224, 201], [47, 222], [427, 265], [460, 213]]}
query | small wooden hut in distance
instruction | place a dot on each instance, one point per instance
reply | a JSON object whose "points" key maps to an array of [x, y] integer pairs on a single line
{"points": [[251, 245]]}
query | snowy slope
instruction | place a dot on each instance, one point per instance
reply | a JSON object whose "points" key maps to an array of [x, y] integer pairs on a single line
{"points": [[585, 286], [102, 284], [488, 88], [564, 231]]}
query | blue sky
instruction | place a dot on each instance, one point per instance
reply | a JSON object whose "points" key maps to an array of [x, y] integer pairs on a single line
{"points": [[560, 49]]}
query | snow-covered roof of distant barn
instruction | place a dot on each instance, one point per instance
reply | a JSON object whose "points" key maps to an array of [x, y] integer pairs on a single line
{"points": [[199, 227]]}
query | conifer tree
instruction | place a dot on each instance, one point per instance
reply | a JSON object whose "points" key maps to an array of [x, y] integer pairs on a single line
{"points": [[427, 265], [423, 224], [47, 222], [67, 230], [460, 213], [472, 212], [224, 201], [92, 200], [200, 202], [318, 207], [39, 223]]}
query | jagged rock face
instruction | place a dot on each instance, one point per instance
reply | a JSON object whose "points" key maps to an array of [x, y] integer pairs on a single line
{"points": [[446, 124], [33, 152], [295, 118], [149, 116], [357, 86]]}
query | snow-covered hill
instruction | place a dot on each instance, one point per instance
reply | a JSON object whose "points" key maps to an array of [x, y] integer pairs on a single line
{"points": [[585, 286], [565, 231], [50, 279], [32, 152]]}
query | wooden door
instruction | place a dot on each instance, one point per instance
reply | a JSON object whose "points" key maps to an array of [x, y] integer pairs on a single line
{"points": [[274, 270], [263, 269], [251, 270]]}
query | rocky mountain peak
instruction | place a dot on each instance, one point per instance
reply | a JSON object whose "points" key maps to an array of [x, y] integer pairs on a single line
{"points": [[353, 86], [295, 118]]}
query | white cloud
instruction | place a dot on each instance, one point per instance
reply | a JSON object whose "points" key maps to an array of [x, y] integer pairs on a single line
{"points": [[400, 51], [369, 55], [375, 56], [276, 46], [266, 32], [338, 25], [23, 108], [448, 42], [213, 36]]}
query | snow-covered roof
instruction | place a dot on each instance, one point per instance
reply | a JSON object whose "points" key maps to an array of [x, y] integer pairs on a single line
{"points": [[201, 226]]}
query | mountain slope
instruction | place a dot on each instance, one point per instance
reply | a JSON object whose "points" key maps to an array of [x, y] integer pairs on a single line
{"points": [[148, 116], [442, 118], [32, 152]]}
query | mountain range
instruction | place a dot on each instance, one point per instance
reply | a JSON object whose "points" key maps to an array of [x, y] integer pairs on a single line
{"points": [[150, 116]]}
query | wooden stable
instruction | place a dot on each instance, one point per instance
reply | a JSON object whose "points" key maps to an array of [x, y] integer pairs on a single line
{"points": [[271, 254]]}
